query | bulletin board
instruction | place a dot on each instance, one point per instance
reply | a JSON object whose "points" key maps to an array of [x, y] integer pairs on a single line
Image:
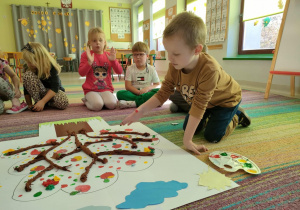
{"points": [[146, 28], [120, 26], [216, 20], [170, 14]]}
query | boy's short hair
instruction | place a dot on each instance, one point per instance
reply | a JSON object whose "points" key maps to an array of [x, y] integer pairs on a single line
{"points": [[189, 26], [140, 47]]}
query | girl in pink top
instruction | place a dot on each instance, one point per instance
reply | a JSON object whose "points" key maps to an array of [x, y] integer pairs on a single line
{"points": [[96, 65]]}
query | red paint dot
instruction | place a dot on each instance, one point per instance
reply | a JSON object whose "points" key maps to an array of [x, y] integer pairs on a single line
{"points": [[128, 129], [41, 179], [154, 139], [102, 145], [39, 168], [120, 157], [130, 162], [77, 164], [64, 185], [117, 146], [20, 196], [62, 151], [50, 140], [83, 188], [69, 177], [35, 152], [118, 168], [118, 161], [110, 166], [100, 166], [73, 160]]}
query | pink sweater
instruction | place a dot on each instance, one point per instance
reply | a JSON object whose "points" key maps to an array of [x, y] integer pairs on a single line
{"points": [[91, 82]]}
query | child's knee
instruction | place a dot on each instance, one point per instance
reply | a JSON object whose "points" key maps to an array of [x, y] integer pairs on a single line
{"points": [[213, 137], [111, 105], [95, 106]]}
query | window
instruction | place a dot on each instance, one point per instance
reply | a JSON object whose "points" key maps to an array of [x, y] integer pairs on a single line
{"points": [[198, 7], [259, 25], [158, 18], [140, 22]]}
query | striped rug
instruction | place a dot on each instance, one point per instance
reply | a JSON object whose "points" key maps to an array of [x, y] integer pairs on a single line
{"points": [[272, 142]]}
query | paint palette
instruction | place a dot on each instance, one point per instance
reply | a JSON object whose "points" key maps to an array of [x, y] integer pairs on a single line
{"points": [[232, 162]]}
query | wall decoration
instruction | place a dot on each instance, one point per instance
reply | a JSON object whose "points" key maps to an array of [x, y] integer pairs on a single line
{"points": [[146, 27], [66, 3], [170, 14], [120, 25], [216, 20]]}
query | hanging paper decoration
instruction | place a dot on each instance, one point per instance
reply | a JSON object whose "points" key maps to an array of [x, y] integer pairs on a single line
{"points": [[58, 30], [24, 21], [266, 21], [280, 4], [255, 23], [66, 3]]}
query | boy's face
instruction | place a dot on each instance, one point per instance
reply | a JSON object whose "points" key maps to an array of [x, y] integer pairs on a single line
{"points": [[140, 58], [180, 54], [97, 42]]}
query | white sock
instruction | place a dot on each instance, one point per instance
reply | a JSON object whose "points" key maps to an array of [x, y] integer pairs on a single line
{"points": [[126, 104]]}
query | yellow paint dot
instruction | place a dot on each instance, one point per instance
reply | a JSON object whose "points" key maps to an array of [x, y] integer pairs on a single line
{"points": [[9, 150], [146, 162], [126, 147], [77, 173], [81, 168], [242, 160], [30, 176], [252, 171], [0, 186], [146, 149], [56, 178]]}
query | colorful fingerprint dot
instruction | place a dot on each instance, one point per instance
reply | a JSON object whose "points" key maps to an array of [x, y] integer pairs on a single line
{"points": [[146, 162], [130, 162], [76, 158], [224, 154], [242, 160], [117, 146], [83, 188], [252, 171], [37, 194], [248, 165]]}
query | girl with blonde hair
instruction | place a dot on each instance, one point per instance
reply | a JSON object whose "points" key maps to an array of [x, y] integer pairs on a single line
{"points": [[41, 81]]}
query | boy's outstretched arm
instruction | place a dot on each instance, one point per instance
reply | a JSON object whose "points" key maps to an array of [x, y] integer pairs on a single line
{"points": [[152, 103], [189, 132]]}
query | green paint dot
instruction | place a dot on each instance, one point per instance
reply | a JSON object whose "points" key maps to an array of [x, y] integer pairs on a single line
{"points": [[85, 161], [97, 177], [109, 157], [51, 175], [66, 161], [61, 175], [50, 187], [32, 172], [108, 129], [248, 165], [153, 136], [74, 193], [152, 144], [37, 194], [75, 180], [106, 180], [114, 143], [73, 184], [58, 161], [94, 145], [70, 143], [138, 150], [105, 146], [24, 153], [224, 154]]}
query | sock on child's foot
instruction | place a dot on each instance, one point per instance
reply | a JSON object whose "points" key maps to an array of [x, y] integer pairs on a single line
{"points": [[126, 104]]}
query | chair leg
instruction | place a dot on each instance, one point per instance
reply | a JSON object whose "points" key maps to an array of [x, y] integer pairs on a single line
{"points": [[293, 86], [269, 83]]}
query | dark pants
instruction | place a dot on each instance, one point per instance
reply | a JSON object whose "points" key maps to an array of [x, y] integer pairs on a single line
{"points": [[218, 121]]}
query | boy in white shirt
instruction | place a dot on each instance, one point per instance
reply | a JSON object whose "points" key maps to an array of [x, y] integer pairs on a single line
{"points": [[141, 81]]}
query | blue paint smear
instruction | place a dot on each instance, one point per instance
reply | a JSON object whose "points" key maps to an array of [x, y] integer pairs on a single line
{"points": [[151, 193]]}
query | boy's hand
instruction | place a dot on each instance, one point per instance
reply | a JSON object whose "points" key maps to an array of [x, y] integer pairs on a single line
{"points": [[90, 57], [112, 56], [144, 90], [17, 93], [194, 147], [39, 106], [133, 117]]}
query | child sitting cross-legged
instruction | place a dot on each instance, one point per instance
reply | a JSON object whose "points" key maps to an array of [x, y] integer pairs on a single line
{"points": [[141, 81]]}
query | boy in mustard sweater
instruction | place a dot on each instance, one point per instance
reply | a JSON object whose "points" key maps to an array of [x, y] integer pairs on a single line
{"points": [[203, 89]]}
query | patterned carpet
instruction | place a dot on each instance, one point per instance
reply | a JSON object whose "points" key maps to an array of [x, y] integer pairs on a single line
{"points": [[272, 142]]}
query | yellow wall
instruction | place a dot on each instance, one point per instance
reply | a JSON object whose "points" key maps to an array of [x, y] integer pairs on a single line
{"points": [[7, 36]]}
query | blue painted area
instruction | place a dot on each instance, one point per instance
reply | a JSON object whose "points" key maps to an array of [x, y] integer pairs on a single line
{"points": [[151, 193]]}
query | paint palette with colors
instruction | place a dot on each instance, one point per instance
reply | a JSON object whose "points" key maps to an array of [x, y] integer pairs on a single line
{"points": [[232, 162]]}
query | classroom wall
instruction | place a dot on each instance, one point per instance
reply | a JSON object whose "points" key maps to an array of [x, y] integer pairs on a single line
{"points": [[7, 40]]}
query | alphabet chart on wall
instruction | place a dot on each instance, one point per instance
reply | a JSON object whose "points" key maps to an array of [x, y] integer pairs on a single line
{"points": [[216, 20], [120, 27]]}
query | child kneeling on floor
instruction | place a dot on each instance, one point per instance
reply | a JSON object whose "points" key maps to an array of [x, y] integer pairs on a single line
{"points": [[213, 95], [41, 81], [141, 81]]}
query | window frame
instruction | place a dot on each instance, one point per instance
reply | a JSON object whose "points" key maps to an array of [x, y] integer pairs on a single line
{"points": [[241, 37]]}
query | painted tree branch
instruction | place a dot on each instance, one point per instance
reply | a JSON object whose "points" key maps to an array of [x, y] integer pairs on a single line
{"points": [[41, 173], [30, 147]]}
